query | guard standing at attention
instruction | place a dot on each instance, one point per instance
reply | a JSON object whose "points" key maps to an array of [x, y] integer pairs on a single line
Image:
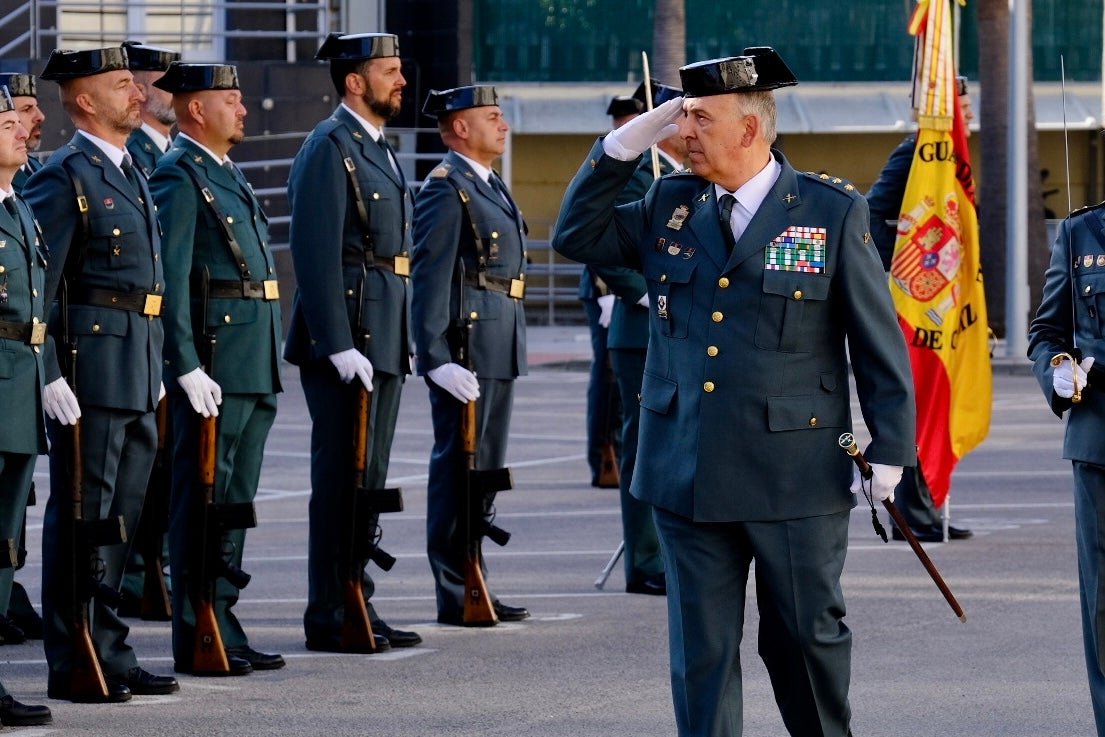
{"points": [[469, 244], [226, 301], [22, 336], [350, 242], [21, 613], [759, 278], [150, 142], [105, 270]]}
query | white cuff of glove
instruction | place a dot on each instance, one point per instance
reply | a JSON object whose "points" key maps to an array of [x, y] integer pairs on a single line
{"points": [[606, 309], [60, 402], [352, 363], [643, 301], [1063, 377], [457, 380], [884, 480], [636, 136], [203, 393]]}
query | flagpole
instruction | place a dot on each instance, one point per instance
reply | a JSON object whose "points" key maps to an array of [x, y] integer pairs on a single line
{"points": [[1016, 215]]}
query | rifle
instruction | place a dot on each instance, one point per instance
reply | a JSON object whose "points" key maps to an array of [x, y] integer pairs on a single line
{"points": [[609, 476], [361, 542], [156, 604], [480, 487], [87, 681], [208, 562]]}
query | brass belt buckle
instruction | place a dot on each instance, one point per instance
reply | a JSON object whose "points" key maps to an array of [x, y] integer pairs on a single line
{"points": [[152, 307], [517, 288], [403, 265], [38, 333], [272, 289]]}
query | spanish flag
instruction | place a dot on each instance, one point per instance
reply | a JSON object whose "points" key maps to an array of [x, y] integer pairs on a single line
{"points": [[935, 276]]}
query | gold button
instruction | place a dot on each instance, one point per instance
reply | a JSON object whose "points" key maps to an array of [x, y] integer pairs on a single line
{"points": [[717, 317], [798, 294], [116, 231], [813, 422], [708, 386], [96, 328], [34, 292], [711, 351], [1086, 290], [348, 292], [226, 319], [474, 315], [494, 234], [663, 278], [34, 320], [36, 349], [723, 282], [229, 219], [2, 269], [375, 195]]}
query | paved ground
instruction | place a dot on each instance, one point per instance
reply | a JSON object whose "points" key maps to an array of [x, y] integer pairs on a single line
{"points": [[593, 664]]}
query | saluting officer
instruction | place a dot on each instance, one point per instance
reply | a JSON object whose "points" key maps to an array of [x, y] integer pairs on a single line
{"points": [[350, 240], [151, 141], [21, 612], [466, 223], [218, 265], [758, 278], [22, 335], [99, 221]]}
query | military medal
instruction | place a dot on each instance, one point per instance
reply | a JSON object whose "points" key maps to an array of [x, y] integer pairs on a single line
{"points": [[1087, 261], [109, 203], [662, 307], [677, 217], [4, 292], [1101, 260], [660, 244], [674, 249]]}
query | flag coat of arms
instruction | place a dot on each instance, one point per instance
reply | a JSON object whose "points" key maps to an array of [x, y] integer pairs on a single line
{"points": [[935, 274]]}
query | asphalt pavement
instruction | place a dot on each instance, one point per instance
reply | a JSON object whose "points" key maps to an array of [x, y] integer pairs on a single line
{"points": [[593, 663]]}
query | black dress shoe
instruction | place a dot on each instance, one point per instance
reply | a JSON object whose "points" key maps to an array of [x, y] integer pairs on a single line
{"points": [[655, 586], [31, 624], [259, 661], [58, 687], [143, 683], [15, 714], [238, 667], [10, 633], [959, 533], [397, 638], [509, 613], [333, 645]]}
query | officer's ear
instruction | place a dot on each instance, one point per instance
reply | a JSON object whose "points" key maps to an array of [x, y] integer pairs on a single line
{"points": [[355, 84]]}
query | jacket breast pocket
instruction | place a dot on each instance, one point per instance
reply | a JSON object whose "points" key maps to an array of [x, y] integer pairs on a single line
{"points": [[97, 321], [807, 412], [671, 294], [657, 393], [793, 309], [115, 243], [1090, 288]]}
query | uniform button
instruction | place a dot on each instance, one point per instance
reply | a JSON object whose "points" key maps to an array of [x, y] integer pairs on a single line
{"points": [[711, 351], [2, 269], [723, 282], [226, 319], [813, 422], [116, 231], [474, 315], [156, 256], [708, 387], [348, 292], [36, 349], [229, 219], [494, 234], [34, 320], [96, 328], [798, 294], [1085, 291], [663, 278], [717, 317], [34, 292], [375, 195]]}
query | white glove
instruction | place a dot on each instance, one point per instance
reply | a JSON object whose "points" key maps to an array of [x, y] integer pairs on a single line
{"points": [[352, 363], [161, 392], [636, 136], [202, 391], [457, 380], [643, 301], [884, 479], [606, 309], [60, 402], [1062, 378]]}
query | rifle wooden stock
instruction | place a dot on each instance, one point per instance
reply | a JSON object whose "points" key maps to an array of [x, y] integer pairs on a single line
{"points": [[609, 476], [208, 652], [356, 630], [87, 681], [156, 603], [478, 609]]}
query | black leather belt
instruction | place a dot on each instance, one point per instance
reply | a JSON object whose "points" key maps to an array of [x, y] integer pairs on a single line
{"points": [[399, 265], [142, 302], [233, 289], [31, 333], [514, 288]]}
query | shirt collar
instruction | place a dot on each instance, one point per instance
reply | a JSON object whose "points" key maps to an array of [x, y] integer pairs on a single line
{"points": [[752, 193], [115, 154], [161, 141], [482, 171], [220, 160], [373, 132]]}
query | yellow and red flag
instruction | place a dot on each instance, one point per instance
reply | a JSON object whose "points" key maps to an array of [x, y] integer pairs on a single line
{"points": [[935, 275]]}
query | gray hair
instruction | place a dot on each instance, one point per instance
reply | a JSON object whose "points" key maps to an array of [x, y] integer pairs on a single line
{"points": [[762, 105]]}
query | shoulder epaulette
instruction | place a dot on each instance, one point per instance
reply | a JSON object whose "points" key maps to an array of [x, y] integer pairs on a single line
{"points": [[441, 171], [1087, 208], [842, 185]]}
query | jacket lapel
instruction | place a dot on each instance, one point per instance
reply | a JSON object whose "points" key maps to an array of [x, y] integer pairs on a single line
{"points": [[369, 149], [705, 224], [771, 219], [110, 173]]}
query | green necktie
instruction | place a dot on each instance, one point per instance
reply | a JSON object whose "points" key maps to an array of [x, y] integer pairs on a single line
{"points": [[725, 210]]}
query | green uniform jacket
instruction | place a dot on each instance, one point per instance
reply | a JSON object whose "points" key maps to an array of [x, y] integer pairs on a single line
{"points": [[120, 351], [328, 248], [443, 238], [746, 381], [19, 181], [247, 331], [22, 286], [143, 151]]}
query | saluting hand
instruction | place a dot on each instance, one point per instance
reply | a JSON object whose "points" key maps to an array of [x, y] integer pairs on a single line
{"points": [[60, 402], [636, 136], [457, 380]]}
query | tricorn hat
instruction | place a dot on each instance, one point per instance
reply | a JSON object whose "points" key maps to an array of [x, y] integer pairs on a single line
{"points": [[960, 86], [181, 77], [19, 85], [6, 104], [660, 93], [622, 105], [66, 64], [759, 69], [355, 46], [459, 98], [149, 58]]}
